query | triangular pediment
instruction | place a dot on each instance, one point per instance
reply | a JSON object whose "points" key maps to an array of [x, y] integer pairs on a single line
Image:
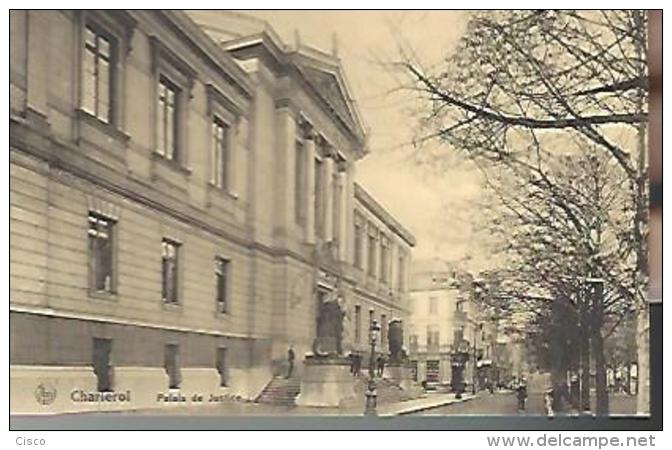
{"points": [[328, 82]]}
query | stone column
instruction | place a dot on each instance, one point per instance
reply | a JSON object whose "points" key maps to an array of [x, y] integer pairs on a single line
{"points": [[232, 169], [310, 188], [349, 194], [643, 366], [344, 234], [285, 152], [329, 198], [241, 150]]}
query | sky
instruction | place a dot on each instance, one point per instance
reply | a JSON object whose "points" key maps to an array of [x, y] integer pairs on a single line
{"points": [[436, 208]]}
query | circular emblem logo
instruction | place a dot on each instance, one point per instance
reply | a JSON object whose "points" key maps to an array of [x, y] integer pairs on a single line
{"points": [[45, 394]]}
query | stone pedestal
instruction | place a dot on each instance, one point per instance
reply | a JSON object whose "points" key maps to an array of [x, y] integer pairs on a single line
{"points": [[326, 382], [402, 375]]}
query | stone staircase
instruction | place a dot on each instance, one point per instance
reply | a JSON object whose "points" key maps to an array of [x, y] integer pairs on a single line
{"points": [[280, 391]]}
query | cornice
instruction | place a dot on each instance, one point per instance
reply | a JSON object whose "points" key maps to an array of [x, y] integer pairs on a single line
{"points": [[203, 46], [381, 213]]}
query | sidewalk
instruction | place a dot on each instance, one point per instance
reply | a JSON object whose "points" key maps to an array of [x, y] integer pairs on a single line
{"points": [[235, 408], [422, 404]]}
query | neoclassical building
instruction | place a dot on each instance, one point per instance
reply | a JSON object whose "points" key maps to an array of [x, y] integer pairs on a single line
{"points": [[183, 196]]}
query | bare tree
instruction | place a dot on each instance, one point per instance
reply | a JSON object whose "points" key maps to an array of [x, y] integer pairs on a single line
{"points": [[558, 233], [524, 93]]}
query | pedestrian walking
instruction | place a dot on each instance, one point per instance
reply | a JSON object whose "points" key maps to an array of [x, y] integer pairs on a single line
{"points": [[290, 360]]}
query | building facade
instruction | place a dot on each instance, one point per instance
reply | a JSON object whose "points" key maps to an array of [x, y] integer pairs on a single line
{"points": [[450, 342], [179, 207]]}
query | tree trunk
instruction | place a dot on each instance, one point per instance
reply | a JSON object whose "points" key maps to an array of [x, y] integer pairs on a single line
{"points": [[585, 368], [641, 238], [602, 400], [561, 353], [585, 355], [602, 396], [643, 383], [558, 377]]}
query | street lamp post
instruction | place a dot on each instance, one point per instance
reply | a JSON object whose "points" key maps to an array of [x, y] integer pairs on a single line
{"points": [[474, 374], [473, 370], [371, 394]]}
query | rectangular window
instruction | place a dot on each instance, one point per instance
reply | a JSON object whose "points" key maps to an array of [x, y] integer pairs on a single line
{"points": [[169, 271], [221, 276], [372, 255], [413, 343], [319, 199], [97, 63], [220, 153], [172, 366], [401, 273], [101, 253], [299, 176], [358, 323], [359, 242], [167, 122], [432, 336], [220, 363], [336, 206], [102, 367], [458, 336], [384, 252]]}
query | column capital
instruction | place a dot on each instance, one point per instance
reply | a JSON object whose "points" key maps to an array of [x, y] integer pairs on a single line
{"points": [[305, 128]]}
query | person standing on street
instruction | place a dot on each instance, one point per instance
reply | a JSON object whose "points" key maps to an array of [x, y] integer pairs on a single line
{"points": [[522, 395], [548, 403], [381, 365], [290, 360], [358, 363]]}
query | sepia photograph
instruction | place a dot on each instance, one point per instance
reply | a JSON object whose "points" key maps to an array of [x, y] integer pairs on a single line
{"points": [[356, 214]]}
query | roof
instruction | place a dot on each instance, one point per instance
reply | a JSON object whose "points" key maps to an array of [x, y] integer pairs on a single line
{"points": [[207, 47], [432, 265], [381, 213], [322, 72], [434, 274]]}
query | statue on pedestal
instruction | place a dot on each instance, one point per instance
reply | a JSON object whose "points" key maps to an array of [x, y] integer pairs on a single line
{"points": [[396, 341], [329, 339]]}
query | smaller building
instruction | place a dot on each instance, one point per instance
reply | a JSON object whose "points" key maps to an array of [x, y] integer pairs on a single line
{"points": [[451, 342], [438, 320]]}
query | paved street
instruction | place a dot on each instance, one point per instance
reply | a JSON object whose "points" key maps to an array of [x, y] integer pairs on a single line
{"points": [[483, 404], [506, 404]]}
